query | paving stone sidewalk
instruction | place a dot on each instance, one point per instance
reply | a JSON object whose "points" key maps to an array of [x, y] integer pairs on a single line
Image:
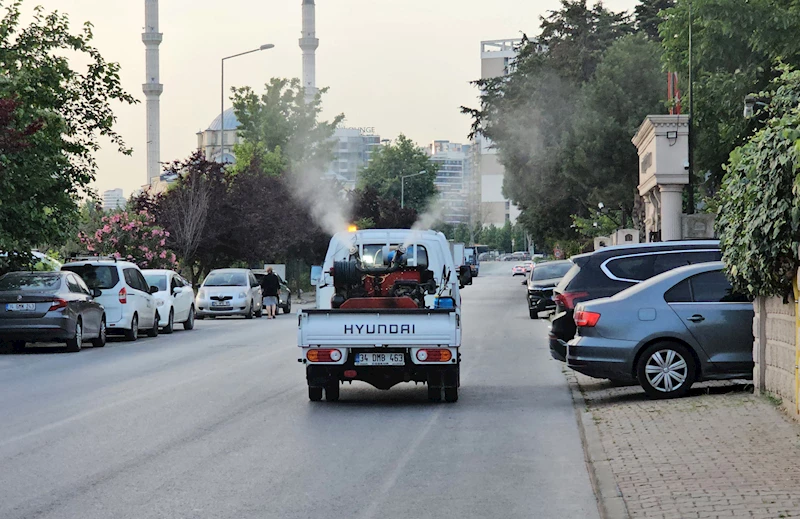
{"points": [[721, 452]]}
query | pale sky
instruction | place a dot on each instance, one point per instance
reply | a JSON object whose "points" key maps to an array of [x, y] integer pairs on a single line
{"points": [[401, 66]]}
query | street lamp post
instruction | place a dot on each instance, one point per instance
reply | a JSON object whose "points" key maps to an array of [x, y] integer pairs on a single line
{"points": [[403, 186], [222, 94]]}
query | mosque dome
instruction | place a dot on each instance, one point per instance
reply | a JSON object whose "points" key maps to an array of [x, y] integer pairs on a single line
{"points": [[231, 122]]}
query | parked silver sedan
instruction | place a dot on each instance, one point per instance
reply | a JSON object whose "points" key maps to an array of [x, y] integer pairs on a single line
{"points": [[666, 333], [229, 292], [49, 306]]}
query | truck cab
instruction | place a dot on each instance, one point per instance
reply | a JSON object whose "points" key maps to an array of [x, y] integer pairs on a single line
{"points": [[388, 310]]}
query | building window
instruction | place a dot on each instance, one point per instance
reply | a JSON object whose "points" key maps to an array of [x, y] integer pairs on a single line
{"points": [[629, 237]]}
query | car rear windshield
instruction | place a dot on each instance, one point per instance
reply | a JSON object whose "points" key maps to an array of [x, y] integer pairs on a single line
{"points": [[96, 276], [225, 279], [157, 280], [568, 277], [30, 281], [550, 271]]}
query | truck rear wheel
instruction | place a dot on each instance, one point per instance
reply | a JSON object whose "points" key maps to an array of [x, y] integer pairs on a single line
{"points": [[451, 394], [332, 391], [314, 393], [434, 393]]}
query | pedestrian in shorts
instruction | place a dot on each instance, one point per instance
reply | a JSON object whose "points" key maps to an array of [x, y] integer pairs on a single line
{"points": [[270, 286]]}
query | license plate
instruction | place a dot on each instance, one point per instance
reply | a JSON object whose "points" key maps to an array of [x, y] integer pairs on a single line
{"points": [[21, 307], [220, 303], [380, 359]]}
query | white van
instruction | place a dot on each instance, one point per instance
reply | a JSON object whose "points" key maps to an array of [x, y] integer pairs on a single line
{"points": [[126, 296]]}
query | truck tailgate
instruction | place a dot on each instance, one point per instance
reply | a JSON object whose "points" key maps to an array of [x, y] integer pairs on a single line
{"points": [[369, 328]]}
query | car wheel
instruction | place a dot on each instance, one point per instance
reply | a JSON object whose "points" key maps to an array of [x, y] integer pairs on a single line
{"points": [[153, 332], [451, 394], [332, 391], [199, 317], [314, 393], [288, 308], [666, 370], [188, 324], [133, 334], [100, 341], [533, 313], [249, 314], [170, 327], [75, 343], [260, 312]]}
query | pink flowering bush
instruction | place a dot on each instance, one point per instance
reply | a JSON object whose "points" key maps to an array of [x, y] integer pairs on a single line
{"points": [[131, 236]]}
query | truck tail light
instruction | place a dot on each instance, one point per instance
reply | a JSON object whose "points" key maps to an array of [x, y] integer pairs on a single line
{"points": [[586, 319], [57, 303], [567, 299], [123, 296], [321, 355], [434, 355]]}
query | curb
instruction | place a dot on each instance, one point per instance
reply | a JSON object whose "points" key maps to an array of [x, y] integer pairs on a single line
{"points": [[610, 502]]}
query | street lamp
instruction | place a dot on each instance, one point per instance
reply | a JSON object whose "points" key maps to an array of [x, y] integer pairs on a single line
{"points": [[266, 46], [403, 186]]}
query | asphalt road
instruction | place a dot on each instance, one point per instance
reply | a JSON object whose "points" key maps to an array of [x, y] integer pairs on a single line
{"points": [[216, 423]]}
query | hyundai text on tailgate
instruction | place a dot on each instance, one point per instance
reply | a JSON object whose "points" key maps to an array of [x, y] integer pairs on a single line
{"points": [[388, 311]]}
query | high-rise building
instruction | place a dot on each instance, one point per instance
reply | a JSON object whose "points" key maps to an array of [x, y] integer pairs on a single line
{"points": [[113, 199], [351, 153], [152, 89], [497, 57], [452, 179]]}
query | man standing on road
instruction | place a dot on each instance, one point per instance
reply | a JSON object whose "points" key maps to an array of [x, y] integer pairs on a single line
{"points": [[270, 286]]}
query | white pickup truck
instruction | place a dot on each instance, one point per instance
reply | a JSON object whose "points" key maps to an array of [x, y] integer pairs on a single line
{"points": [[388, 311]]}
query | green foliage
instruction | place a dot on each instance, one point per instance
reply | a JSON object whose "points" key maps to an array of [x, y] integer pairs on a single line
{"points": [[281, 120], [759, 212], [59, 113], [601, 223], [389, 163], [650, 14], [562, 120], [734, 43]]}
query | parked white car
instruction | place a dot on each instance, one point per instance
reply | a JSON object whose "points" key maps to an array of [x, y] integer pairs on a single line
{"points": [[125, 294], [229, 292], [174, 299]]}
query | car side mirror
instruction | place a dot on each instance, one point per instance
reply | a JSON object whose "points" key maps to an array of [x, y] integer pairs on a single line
{"points": [[316, 274], [96, 292], [153, 289], [177, 290]]}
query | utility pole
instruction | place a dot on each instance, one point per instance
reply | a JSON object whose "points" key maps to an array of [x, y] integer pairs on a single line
{"points": [[690, 185]]}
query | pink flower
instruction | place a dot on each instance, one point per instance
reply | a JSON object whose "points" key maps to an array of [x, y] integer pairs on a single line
{"points": [[149, 255], [166, 233], [162, 242], [90, 248], [106, 228], [173, 259], [118, 255], [163, 254]]}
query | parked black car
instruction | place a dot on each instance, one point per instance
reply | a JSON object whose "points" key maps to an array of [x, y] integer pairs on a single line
{"points": [[542, 280], [610, 270], [50, 306]]}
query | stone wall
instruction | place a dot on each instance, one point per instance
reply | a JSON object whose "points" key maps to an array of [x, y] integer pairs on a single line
{"points": [[774, 349]]}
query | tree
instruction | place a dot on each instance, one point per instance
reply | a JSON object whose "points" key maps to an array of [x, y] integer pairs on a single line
{"points": [[57, 114], [389, 163], [371, 210], [529, 115], [649, 15], [759, 213], [281, 120], [133, 237], [185, 208], [626, 87], [734, 43]]}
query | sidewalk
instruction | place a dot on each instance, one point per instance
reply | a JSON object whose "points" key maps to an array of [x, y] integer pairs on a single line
{"points": [[722, 452]]}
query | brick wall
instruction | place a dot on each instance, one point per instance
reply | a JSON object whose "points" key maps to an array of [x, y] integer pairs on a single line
{"points": [[774, 349]]}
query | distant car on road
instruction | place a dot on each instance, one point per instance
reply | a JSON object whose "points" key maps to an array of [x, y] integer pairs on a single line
{"points": [[50, 306], [668, 332], [174, 299], [542, 280], [610, 270], [284, 293], [229, 292], [126, 296], [518, 270]]}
